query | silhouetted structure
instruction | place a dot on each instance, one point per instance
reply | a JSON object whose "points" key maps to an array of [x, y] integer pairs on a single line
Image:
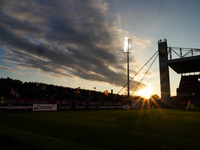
{"points": [[164, 70], [182, 61], [189, 86], [127, 49], [180, 64], [16, 90]]}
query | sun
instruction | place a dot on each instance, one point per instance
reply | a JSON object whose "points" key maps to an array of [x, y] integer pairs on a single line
{"points": [[145, 92]]}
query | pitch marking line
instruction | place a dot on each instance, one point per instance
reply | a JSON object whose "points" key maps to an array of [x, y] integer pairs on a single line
{"points": [[156, 135]]}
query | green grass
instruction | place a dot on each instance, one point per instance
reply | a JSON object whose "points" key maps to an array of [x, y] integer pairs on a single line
{"points": [[103, 129]]}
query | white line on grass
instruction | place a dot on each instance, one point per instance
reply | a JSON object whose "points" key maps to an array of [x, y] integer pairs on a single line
{"points": [[156, 135]]}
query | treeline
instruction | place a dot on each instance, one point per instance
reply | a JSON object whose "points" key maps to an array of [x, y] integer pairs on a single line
{"points": [[35, 90]]}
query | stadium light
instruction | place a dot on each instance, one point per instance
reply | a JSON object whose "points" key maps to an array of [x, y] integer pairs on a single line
{"points": [[127, 44]]}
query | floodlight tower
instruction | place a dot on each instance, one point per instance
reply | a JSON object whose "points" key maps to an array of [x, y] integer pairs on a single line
{"points": [[127, 49]]}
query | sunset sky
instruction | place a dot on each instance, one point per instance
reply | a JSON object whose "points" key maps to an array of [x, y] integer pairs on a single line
{"points": [[79, 43]]}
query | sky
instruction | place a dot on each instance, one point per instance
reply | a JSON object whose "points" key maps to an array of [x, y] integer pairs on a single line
{"points": [[79, 43]]}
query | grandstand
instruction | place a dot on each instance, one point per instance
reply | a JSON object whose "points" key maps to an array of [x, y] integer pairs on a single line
{"points": [[186, 65], [15, 92], [189, 86], [183, 61], [189, 89]]}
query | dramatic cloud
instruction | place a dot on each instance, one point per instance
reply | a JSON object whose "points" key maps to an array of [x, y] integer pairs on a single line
{"points": [[74, 38], [10, 70]]}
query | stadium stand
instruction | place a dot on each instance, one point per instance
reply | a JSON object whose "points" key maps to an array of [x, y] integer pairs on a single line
{"points": [[189, 85], [189, 89], [17, 90]]}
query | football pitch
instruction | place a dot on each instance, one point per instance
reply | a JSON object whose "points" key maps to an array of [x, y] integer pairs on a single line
{"points": [[101, 129]]}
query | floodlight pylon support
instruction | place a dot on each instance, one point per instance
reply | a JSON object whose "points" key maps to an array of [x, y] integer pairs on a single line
{"points": [[164, 70], [128, 86], [127, 49]]}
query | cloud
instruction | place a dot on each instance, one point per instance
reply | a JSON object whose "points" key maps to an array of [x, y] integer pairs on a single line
{"points": [[10, 70], [74, 38]]}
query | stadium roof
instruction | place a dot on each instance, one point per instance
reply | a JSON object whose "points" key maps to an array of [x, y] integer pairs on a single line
{"points": [[185, 65]]}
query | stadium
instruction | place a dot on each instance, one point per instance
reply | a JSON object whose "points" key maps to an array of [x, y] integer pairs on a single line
{"points": [[64, 75], [41, 116]]}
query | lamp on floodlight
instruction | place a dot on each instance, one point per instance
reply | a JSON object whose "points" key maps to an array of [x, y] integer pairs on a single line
{"points": [[127, 49]]}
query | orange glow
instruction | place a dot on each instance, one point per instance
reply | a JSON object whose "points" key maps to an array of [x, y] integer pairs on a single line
{"points": [[157, 105], [145, 92]]}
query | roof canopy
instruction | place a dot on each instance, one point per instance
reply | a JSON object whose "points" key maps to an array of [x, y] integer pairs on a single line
{"points": [[185, 65]]}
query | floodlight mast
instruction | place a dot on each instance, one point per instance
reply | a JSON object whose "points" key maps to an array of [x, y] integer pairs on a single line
{"points": [[128, 87], [127, 49]]}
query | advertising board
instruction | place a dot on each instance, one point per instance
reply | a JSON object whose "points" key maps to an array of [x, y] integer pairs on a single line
{"points": [[64, 107], [17, 107], [44, 107], [126, 107]]}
